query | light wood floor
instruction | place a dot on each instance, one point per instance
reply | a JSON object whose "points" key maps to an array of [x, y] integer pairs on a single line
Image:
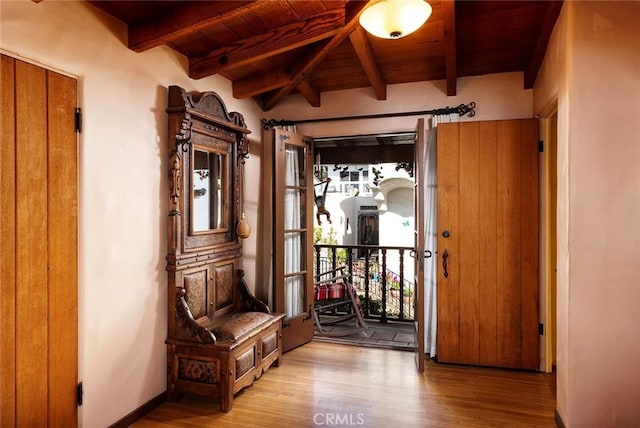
{"points": [[322, 384]]}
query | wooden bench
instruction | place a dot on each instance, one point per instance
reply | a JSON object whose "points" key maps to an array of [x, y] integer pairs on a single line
{"points": [[234, 345], [220, 338]]}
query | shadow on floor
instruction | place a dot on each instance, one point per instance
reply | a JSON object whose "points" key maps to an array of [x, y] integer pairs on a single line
{"points": [[390, 335]]}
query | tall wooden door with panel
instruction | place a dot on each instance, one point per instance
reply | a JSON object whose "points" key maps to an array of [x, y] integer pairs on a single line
{"points": [[488, 243], [38, 247], [220, 337]]}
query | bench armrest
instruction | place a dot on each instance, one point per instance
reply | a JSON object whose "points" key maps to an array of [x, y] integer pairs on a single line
{"points": [[249, 301], [185, 317]]}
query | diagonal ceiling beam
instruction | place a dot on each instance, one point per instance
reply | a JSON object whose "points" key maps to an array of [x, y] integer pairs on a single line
{"points": [[256, 85], [449, 20], [362, 46], [273, 42], [309, 92], [549, 22], [353, 11], [189, 18]]}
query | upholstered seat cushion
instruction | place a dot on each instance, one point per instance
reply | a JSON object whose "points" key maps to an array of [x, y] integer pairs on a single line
{"points": [[236, 325]]}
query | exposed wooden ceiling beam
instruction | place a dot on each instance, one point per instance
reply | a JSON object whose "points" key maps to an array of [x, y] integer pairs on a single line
{"points": [[340, 143], [370, 154], [449, 19], [362, 46], [256, 85], [189, 18], [383, 141], [550, 18], [309, 92], [318, 55], [273, 42]]}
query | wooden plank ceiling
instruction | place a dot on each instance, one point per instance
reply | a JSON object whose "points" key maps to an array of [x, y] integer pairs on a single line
{"points": [[270, 49]]}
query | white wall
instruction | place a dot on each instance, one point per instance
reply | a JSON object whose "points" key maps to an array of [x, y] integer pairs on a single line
{"points": [[592, 69], [397, 228], [397, 223], [344, 217], [498, 96], [123, 192]]}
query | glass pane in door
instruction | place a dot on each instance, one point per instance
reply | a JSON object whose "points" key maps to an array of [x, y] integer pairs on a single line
{"points": [[295, 208], [295, 284], [294, 252], [295, 166], [294, 295]]}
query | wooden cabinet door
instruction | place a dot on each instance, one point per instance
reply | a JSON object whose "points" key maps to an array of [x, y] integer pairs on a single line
{"points": [[488, 240], [293, 236]]}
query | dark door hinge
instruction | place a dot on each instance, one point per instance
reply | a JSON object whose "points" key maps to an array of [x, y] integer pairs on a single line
{"points": [[79, 393], [541, 146], [541, 329], [78, 116]]}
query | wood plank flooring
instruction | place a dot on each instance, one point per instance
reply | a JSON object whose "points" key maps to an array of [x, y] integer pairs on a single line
{"points": [[323, 384]]}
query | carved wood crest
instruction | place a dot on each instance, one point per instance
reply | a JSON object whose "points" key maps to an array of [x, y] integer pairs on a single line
{"points": [[201, 120]]}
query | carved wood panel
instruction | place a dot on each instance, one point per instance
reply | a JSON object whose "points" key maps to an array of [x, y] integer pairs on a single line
{"points": [[224, 285], [198, 371], [269, 344], [196, 292], [245, 362]]}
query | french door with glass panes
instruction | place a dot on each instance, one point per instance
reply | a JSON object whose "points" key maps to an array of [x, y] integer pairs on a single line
{"points": [[293, 236]]}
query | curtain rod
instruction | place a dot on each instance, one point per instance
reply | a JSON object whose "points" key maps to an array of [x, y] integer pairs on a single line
{"points": [[462, 109]]}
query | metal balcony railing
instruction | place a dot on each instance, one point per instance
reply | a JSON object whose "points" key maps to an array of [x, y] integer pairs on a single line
{"points": [[383, 277]]}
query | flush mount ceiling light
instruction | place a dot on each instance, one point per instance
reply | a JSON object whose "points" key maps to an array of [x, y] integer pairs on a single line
{"points": [[392, 19]]}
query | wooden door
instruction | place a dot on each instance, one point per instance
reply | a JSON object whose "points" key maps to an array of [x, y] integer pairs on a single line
{"points": [[419, 159], [293, 236], [488, 243], [552, 241], [38, 247]]}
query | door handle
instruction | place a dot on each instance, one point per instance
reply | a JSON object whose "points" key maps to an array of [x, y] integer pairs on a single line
{"points": [[427, 254], [445, 263]]}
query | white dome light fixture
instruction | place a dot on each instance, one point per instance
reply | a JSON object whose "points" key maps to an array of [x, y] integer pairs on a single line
{"points": [[392, 19]]}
